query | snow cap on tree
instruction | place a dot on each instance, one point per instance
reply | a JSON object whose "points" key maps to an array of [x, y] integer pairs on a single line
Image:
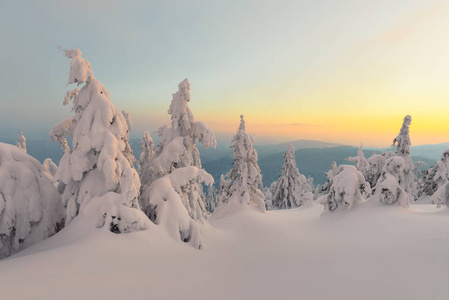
{"points": [[22, 143], [242, 124]]}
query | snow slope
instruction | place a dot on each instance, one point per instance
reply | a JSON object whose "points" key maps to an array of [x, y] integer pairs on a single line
{"points": [[372, 251]]}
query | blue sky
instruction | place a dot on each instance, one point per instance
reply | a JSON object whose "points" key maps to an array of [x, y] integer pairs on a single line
{"points": [[288, 66]]}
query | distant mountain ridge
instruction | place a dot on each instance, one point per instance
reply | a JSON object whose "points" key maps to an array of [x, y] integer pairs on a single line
{"points": [[313, 157]]}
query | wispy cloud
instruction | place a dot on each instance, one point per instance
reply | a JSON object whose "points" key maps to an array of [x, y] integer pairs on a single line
{"points": [[407, 27], [300, 125]]}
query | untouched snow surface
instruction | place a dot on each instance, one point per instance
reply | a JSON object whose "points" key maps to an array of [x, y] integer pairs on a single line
{"points": [[371, 252]]}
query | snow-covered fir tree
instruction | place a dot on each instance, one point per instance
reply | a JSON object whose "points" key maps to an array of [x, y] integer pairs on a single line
{"points": [[437, 176], [329, 175], [168, 203], [376, 163], [245, 176], [292, 188], [97, 172], [388, 188], [223, 190], [146, 154], [268, 197], [178, 152], [22, 142], [177, 147], [402, 144], [347, 186], [211, 199], [361, 163], [30, 206]]}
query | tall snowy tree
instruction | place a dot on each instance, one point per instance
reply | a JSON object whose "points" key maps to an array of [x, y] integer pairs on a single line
{"points": [[22, 143], [347, 186], [178, 152], [292, 188], [402, 144], [97, 171], [360, 161], [245, 176], [146, 154], [30, 206], [177, 147], [388, 187]]}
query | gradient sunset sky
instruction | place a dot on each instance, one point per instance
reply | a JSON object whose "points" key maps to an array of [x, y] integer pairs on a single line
{"points": [[337, 71]]}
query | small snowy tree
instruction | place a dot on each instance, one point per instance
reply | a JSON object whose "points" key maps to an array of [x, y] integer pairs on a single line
{"points": [[360, 161], [402, 144], [347, 186], [290, 189], [22, 143], [49, 168], [245, 176], [99, 167], [388, 188], [146, 154], [223, 190], [211, 199], [375, 165], [329, 175], [437, 175], [174, 203], [30, 207]]}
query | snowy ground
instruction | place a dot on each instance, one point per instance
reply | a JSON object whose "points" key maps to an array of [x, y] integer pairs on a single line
{"points": [[370, 252]]}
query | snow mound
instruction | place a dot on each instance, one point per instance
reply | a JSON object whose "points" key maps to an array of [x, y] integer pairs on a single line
{"points": [[30, 207]]}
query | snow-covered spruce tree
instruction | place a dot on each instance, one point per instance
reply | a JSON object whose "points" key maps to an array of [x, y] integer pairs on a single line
{"points": [[402, 144], [329, 175], [169, 203], [223, 190], [437, 175], [177, 151], [268, 197], [246, 179], [292, 188], [146, 153], [375, 165], [96, 174], [347, 186], [30, 206], [211, 199], [177, 147], [360, 161], [22, 143], [388, 188]]}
